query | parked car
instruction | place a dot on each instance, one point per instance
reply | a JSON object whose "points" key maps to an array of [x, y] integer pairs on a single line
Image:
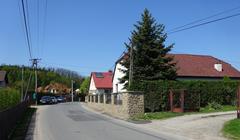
{"points": [[46, 100], [60, 99], [54, 100]]}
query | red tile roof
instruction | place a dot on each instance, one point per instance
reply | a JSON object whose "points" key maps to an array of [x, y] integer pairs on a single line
{"points": [[103, 82], [202, 66]]}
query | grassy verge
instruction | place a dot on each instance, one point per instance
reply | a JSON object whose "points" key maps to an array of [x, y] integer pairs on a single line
{"points": [[157, 116], [231, 129], [223, 109], [21, 128], [166, 115]]}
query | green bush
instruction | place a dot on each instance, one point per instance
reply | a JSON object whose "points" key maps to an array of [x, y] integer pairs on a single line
{"points": [[214, 106], [8, 97], [202, 92]]}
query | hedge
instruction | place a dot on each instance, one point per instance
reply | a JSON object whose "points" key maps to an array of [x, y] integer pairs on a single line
{"points": [[157, 92], [8, 98]]}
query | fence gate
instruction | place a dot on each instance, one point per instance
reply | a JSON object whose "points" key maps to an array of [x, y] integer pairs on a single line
{"points": [[238, 103], [177, 100]]}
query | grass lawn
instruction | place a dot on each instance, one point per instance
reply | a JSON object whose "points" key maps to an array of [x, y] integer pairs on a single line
{"points": [[21, 128], [165, 115], [223, 109], [231, 129], [158, 116]]}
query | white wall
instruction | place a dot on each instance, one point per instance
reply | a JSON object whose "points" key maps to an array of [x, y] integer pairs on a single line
{"points": [[118, 74], [92, 87]]}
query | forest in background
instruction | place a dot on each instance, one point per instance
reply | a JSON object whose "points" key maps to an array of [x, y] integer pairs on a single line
{"points": [[45, 76]]}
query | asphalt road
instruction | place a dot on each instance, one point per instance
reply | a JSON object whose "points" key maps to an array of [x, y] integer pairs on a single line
{"points": [[72, 121]]}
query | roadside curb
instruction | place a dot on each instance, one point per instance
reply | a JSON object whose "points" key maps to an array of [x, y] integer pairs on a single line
{"points": [[220, 114], [136, 126]]}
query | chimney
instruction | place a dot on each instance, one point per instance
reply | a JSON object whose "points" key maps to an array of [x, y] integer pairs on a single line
{"points": [[218, 67]]}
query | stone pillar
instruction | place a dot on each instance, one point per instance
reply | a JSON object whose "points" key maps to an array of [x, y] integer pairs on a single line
{"points": [[133, 103], [112, 99], [98, 98], [104, 98]]}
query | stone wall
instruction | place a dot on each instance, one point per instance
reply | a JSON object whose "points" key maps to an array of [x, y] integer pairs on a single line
{"points": [[122, 105]]}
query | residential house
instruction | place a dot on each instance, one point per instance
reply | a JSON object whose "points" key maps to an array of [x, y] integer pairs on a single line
{"points": [[3, 79], [100, 82], [189, 67], [55, 88]]}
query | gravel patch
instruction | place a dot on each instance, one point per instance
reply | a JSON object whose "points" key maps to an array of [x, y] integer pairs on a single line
{"points": [[197, 127]]}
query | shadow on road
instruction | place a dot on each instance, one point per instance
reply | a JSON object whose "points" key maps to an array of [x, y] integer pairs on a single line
{"points": [[31, 127]]}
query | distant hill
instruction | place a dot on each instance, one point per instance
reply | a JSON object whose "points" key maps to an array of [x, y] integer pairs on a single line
{"points": [[46, 76]]}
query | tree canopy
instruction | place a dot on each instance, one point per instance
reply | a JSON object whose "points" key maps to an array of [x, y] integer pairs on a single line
{"points": [[149, 53], [45, 76], [85, 85]]}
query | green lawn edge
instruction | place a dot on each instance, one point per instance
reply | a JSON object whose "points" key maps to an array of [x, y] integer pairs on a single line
{"points": [[167, 115], [231, 129]]}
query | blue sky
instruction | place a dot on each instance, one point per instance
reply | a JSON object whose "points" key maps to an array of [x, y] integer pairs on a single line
{"points": [[89, 35]]}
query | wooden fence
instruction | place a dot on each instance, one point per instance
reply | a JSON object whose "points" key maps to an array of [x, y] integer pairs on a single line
{"points": [[9, 118]]}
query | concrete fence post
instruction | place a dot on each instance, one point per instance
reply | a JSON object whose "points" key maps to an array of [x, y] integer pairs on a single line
{"points": [[104, 98], [94, 98], [112, 99], [90, 96], [99, 98]]}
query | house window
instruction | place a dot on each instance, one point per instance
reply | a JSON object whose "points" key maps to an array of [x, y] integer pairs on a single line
{"points": [[99, 75]]}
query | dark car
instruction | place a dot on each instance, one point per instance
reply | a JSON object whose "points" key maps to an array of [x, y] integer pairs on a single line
{"points": [[46, 100], [54, 99], [60, 99]]}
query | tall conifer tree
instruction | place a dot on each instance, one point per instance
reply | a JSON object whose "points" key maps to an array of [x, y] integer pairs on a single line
{"points": [[150, 59]]}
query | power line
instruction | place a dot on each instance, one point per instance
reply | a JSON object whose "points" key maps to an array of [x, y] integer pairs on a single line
{"points": [[208, 22], [44, 26], [208, 17], [38, 25], [26, 29]]}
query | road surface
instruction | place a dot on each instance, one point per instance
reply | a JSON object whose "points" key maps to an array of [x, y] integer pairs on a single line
{"points": [[72, 121]]}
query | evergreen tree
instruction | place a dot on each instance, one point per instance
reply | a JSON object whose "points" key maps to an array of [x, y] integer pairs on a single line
{"points": [[150, 59]]}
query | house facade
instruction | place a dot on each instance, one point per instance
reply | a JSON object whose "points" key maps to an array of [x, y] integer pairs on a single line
{"points": [[3, 79], [189, 67], [100, 82]]}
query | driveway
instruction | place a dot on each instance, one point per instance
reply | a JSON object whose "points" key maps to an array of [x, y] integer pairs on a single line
{"points": [[196, 127], [71, 121]]}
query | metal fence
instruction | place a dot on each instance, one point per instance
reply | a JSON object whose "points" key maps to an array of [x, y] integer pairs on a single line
{"points": [[108, 99], [101, 98], [9, 118]]}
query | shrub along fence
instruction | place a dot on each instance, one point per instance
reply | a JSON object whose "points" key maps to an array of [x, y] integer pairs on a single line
{"points": [[9, 118], [156, 93], [8, 97]]}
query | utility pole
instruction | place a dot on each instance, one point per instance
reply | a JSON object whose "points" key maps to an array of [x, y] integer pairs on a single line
{"points": [[35, 65], [22, 83], [72, 88], [131, 66]]}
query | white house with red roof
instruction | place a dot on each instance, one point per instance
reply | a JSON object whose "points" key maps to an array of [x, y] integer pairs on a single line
{"points": [[100, 82], [189, 67]]}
